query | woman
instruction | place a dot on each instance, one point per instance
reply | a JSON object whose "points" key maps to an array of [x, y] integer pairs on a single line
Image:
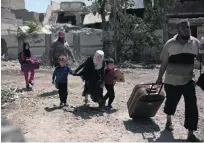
{"points": [[93, 75], [25, 60]]}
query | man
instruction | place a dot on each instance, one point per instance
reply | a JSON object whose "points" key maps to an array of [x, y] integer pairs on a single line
{"points": [[58, 48], [178, 61]]}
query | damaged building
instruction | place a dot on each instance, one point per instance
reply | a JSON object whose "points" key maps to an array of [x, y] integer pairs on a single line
{"points": [[67, 12], [186, 9], [93, 20], [13, 15]]}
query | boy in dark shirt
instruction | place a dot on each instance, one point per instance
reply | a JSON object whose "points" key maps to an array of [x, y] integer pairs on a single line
{"points": [[59, 77], [110, 81]]}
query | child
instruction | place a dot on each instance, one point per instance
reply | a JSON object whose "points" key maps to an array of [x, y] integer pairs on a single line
{"points": [[24, 55], [110, 82], [60, 77]]}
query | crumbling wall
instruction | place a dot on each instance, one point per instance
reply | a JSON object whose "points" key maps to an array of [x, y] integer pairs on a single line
{"points": [[72, 6], [25, 15], [9, 23], [189, 7], [51, 16], [13, 4]]}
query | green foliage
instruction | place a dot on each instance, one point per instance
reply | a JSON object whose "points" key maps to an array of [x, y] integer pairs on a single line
{"points": [[32, 30], [143, 44], [156, 14], [137, 32], [33, 27]]}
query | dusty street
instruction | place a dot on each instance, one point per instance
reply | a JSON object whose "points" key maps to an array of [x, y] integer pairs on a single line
{"points": [[29, 111]]}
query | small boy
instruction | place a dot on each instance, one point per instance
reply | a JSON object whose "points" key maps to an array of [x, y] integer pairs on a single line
{"points": [[110, 81], [59, 77]]}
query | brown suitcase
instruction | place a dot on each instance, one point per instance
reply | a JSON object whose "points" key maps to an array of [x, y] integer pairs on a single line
{"points": [[145, 100]]}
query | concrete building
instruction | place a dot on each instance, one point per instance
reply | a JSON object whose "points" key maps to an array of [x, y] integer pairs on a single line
{"points": [[13, 4], [13, 15], [26, 15], [186, 9], [72, 12], [51, 15], [65, 12]]}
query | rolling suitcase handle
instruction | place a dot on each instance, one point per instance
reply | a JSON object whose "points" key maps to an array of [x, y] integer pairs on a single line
{"points": [[153, 84]]}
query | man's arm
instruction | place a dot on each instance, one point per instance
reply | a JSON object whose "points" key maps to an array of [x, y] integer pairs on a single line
{"points": [[164, 58], [68, 49], [70, 71], [200, 54], [51, 53], [53, 76], [162, 68]]}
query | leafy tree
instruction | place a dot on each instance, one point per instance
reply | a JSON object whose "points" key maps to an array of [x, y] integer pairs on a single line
{"points": [[156, 14], [101, 7], [139, 32], [33, 28]]}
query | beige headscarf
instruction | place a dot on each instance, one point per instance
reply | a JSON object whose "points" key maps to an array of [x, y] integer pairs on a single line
{"points": [[98, 65]]}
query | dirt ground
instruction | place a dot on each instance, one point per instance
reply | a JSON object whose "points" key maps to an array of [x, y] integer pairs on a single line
{"points": [[30, 111]]}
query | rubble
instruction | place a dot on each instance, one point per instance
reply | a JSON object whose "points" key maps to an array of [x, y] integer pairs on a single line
{"points": [[10, 94]]}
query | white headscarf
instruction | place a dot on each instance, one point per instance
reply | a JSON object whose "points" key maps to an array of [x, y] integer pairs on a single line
{"points": [[98, 65]]}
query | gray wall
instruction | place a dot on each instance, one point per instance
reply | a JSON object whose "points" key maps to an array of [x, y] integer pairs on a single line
{"points": [[13, 4], [9, 23], [25, 15], [81, 43]]}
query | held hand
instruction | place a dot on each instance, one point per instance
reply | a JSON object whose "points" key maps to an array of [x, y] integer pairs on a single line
{"points": [[32, 61]]}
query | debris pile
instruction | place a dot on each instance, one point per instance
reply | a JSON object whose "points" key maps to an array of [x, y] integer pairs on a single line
{"points": [[10, 94]]}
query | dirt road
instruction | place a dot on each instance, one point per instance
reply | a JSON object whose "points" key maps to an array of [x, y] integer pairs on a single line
{"points": [[29, 112]]}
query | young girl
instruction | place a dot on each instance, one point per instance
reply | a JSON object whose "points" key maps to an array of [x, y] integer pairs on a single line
{"points": [[25, 54], [59, 77], [110, 81]]}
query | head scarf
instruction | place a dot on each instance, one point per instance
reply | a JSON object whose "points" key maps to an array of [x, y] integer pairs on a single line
{"points": [[96, 64], [26, 52]]}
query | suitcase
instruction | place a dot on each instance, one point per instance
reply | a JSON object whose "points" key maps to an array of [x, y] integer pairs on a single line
{"points": [[145, 100]]}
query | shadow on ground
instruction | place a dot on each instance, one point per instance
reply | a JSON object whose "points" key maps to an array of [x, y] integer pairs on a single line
{"points": [[141, 125], [20, 90], [50, 109], [88, 112], [147, 127], [47, 94], [166, 136]]}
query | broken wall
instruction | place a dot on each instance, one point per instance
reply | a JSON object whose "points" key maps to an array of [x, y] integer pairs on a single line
{"points": [[25, 15], [189, 6], [90, 42], [37, 45], [9, 23], [72, 6], [13, 4], [51, 16], [81, 43]]}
